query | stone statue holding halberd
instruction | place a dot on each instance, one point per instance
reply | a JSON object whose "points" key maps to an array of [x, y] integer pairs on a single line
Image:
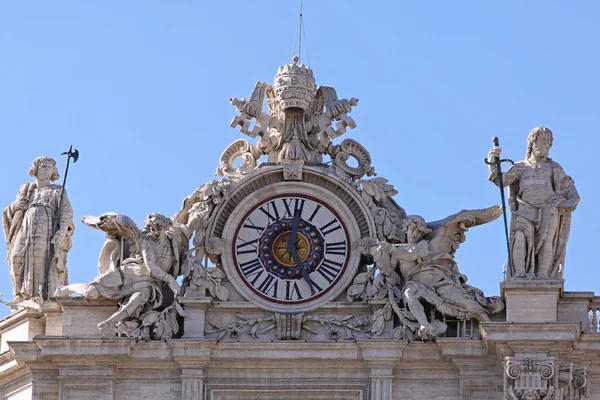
{"points": [[28, 227]]}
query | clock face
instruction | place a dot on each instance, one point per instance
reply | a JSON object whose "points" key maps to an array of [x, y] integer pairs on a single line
{"points": [[291, 249]]}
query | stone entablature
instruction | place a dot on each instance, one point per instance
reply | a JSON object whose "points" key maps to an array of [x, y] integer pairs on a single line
{"points": [[81, 363]]}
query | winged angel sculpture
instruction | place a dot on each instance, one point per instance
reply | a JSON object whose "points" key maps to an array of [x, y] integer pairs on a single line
{"points": [[140, 267], [414, 264]]}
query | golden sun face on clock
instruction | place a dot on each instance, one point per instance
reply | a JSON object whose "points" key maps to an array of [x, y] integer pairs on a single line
{"points": [[291, 249]]}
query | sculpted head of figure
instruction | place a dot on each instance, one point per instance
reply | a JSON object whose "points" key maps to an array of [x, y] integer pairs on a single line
{"points": [[156, 224], [415, 228], [44, 169], [539, 142]]}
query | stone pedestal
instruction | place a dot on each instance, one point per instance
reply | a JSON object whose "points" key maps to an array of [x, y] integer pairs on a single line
{"points": [[531, 300], [80, 316], [576, 306], [53, 314], [194, 322], [21, 326]]}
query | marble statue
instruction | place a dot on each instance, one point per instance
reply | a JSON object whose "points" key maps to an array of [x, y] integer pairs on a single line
{"points": [[28, 227], [139, 268], [197, 276], [429, 271], [541, 198]]}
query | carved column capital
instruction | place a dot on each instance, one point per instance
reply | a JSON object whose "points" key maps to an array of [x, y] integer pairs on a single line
{"points": [[574, 382], [192, 383], [527, 378]]}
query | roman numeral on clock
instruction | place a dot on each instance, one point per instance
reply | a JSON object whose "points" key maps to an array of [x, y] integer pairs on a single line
{"points": [[247, 247], [336, 248], [267, 208], [251, 225], [251, 269], [314, 213], [291, 289], [269, 284], [329, 270], [298, 206], [331, 226]]}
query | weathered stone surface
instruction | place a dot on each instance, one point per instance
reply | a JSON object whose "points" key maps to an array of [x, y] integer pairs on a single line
{"points": [[541, 198], [38, 225], [531, 301]]}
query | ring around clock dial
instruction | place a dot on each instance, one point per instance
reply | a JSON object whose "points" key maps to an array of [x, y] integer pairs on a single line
{"points": [[279, 275]]}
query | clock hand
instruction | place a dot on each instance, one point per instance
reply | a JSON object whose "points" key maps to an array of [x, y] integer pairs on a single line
{"points": [[291, 247], [298, 261]]}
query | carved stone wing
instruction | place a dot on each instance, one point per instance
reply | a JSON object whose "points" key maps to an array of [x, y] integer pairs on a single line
{"points": [[122, 238], [254, 106], [318, 104], [331, 100], [272, 102], [447, 234]]}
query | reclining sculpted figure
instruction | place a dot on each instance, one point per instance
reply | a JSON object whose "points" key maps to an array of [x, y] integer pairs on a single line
{"points": [[136, 266], [430, 273]]}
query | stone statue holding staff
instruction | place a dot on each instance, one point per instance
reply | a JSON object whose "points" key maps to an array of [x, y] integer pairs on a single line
{"points": [[541, 197]]}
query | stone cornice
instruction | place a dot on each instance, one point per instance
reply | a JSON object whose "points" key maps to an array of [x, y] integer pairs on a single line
{"points": [[83, 302], [15, 318], [8, 364], [25, 351], [382, 352], [528, 286], [64, 346], [192, 352], [507, 338], [286, 349], [537, 331], [461, 347]]}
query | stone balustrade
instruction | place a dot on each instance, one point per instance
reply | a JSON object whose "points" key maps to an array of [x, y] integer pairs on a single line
{"points": [[593, 316]]}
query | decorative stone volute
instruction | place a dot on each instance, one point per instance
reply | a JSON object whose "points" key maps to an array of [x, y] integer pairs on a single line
{"points": [[530, 378]]}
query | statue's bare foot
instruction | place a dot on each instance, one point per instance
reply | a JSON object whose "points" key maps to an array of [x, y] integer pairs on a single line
{"points": [[520, 274], [424, 331]]}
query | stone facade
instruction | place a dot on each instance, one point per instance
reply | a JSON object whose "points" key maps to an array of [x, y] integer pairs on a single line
{"points": [[58, 353]]}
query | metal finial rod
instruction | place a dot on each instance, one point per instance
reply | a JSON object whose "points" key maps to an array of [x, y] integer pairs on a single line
{"points": [[300, 34]]}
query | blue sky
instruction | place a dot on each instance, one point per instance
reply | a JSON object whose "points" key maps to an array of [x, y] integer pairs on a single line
{"points": [[141, 88]]}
